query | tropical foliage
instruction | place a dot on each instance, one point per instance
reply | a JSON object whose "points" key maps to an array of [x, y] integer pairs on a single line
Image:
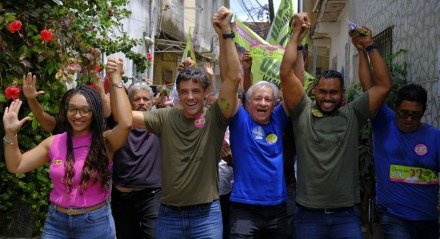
{"points": [[58, 41]]}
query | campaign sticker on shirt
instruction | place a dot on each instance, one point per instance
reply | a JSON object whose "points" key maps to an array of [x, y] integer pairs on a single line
{"points": [[421, 149], [258, 133], [57, 162], [412, 175], [271, 138], [199, 121]]}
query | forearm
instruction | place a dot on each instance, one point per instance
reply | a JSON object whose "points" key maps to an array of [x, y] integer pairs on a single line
{"points": [[299, 66], [121, 106], [365, 76], [46, 121], [138, 119], [247, 79], [232, 60], [222, 63], [12, 152], [380, 69], [288, 63]]}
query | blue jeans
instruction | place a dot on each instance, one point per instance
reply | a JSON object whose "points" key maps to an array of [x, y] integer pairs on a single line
{"points": [[198, 221], [255, 221], [94, 224], [135, 213], [317, 224], [395, 227]]}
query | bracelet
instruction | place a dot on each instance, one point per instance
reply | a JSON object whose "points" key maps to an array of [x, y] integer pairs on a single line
{"points": [[9, 141], [370, 47]]}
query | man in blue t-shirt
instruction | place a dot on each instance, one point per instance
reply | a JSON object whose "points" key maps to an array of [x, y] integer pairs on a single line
{"points": [[407, 162]]}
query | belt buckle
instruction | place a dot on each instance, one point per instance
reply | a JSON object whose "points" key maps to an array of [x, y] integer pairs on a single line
{"points": [[71, 211], [328, 211]]}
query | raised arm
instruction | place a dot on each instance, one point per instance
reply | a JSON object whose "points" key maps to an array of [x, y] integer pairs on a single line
{"points": [[121, 108], [364, 72], [105, 98], [47, 121], [228, 99], [16, 162], [248, 80], [210, 72], [291, 85], [380, 84]]}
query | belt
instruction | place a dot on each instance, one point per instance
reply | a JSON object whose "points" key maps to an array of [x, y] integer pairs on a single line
{"points": [[186, 208], [126, 190], [325, 210], [78, 211]]}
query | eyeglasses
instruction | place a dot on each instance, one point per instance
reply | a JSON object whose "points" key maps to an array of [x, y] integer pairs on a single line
{"points": [[83, 112], [405, 114]]}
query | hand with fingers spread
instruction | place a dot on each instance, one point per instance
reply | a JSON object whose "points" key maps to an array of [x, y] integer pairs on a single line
{"points": [[29, 89], [11, 123], [208, 69], [221, 21]]}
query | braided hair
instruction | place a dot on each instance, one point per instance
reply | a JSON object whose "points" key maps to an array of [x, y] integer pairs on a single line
{"points": [[95, 169]]}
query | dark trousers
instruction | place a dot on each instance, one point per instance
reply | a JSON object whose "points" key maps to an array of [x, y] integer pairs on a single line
{"points": [[396, 227], [135, 213], [253, 221], [226, 208]]}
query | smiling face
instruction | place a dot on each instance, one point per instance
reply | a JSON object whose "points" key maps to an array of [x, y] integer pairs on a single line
{"points": [[261, 104], [329, 95], [408, 115], [79, 115], [192, 96]]}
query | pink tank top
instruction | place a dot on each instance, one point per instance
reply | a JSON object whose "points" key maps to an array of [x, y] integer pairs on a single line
{"points": [[93, 194]]}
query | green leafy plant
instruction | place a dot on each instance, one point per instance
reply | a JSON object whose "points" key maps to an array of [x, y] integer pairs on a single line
{"points": [[55, 40]]}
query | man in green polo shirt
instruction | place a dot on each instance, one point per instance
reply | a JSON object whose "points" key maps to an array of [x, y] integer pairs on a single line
{"points": [[191, 138], [326, 137]]}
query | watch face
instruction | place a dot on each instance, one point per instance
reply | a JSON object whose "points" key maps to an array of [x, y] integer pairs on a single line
{"points": [[119, 84]]}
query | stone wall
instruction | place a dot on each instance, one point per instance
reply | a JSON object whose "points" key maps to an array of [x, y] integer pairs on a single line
{"points": [[417, 30]]}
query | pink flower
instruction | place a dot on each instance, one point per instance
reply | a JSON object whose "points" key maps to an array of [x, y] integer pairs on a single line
{"points": [[14, 26], [12, 93], [46, 35], [149, 56]]}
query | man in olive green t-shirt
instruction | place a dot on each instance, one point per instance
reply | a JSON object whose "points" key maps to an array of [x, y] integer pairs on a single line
{"points": [[326, 137], [191, 138]]}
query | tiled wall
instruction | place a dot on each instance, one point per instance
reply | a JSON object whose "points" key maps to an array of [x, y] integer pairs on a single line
{"points": [[417, 30]]}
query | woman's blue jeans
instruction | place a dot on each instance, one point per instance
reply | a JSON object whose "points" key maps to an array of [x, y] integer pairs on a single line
{"points": [[94, 224]]}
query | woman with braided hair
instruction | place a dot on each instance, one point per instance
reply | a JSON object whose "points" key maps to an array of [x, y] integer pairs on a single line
{"points": [[79, 160]]}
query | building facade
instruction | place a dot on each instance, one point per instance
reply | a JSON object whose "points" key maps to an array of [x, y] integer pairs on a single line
{"points": [[396, 24]]}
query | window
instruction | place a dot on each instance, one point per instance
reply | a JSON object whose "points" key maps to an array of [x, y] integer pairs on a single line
{"points": [[384, 42]]}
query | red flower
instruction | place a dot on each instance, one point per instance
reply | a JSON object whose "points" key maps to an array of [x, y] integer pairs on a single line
{"points": [[149, 56], [98, 68], [14, 26], [12, 93], [92, 85], [46, 35]]}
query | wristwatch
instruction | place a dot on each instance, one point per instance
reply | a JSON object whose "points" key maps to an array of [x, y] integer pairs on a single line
{"points": [[118, 84], [228, 35], [371, 47]]}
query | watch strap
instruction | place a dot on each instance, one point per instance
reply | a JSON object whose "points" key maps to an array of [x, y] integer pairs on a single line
{"points": [[228, 35]]}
